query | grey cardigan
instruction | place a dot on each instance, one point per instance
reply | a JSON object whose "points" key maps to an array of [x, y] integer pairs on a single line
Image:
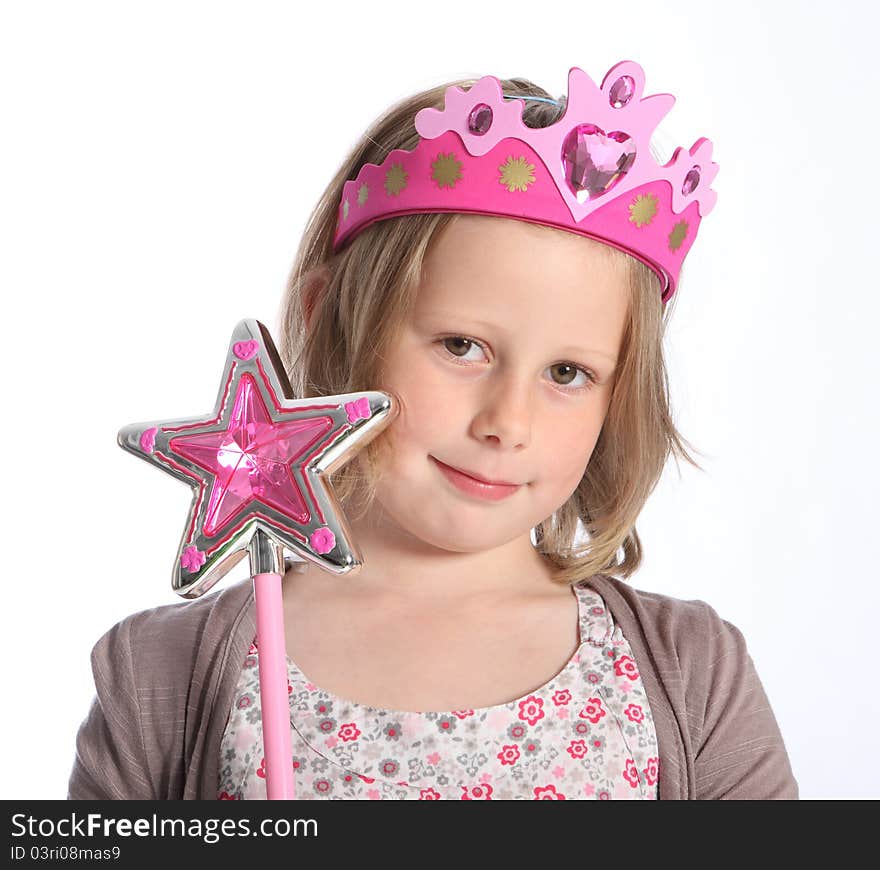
{"points": [[165, 682]]}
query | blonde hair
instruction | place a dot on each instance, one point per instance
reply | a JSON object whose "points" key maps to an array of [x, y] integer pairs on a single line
{"points": [[340, 310]]}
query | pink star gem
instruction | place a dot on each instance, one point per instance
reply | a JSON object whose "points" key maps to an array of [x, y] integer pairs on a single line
{"points": [[251, 459]]}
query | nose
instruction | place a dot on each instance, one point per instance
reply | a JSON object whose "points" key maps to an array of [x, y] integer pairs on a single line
{"points": [[505, 410]]}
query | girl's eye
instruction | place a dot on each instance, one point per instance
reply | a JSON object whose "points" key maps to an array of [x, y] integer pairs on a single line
{"points": [[569, 370]]}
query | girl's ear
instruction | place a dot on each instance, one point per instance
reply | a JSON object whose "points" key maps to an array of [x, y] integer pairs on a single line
{"points": [[312, 287]]}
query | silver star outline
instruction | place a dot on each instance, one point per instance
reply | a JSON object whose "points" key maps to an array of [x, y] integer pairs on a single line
{"points": [[348, 422]]}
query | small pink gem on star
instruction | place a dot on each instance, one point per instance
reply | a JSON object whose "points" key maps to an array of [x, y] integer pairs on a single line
{"points": [[192, 558], [245, 349], [148, 439], [322, 540], [358, 409]]}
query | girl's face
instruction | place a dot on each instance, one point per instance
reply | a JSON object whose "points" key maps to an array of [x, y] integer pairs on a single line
{"points": [[505, 369]]}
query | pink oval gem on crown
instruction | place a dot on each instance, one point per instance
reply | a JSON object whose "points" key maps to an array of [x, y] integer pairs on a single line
{"points": [[621, 92], [594, 162], [480, 119], [691, 180]]}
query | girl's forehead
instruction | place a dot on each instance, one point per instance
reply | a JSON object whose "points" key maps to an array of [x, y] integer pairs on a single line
{"points": [[495, 264], [506, 280]]}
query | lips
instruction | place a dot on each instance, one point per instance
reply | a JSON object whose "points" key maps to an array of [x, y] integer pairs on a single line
{"points": [[476, 476]]}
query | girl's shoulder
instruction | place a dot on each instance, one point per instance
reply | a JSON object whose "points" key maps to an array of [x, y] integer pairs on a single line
{"points": [[686, 643], [155, 675], [660, 617], [169, 638]]}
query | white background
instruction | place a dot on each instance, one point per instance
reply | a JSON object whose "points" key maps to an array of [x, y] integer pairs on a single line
{"points": [[158, 163]]}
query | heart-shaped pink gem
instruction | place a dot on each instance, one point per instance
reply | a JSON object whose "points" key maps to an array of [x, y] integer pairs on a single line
{"points": [[593, 161], [246, 349]]}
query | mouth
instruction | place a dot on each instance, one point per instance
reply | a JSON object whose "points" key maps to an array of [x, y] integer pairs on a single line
{"points": [[473, 485]]}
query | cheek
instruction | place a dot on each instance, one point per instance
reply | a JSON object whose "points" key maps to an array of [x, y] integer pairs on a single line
{"points": [[571, 444], [428, 402]]}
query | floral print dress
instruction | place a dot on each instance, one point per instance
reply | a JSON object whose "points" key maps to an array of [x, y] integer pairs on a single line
{"points": [[587, 734]]}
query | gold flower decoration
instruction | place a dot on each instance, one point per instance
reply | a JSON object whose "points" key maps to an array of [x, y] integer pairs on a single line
{"points": [[517, 173], [395, 179], [446, 170], [677, 236], [643, 209], [363, 193]]}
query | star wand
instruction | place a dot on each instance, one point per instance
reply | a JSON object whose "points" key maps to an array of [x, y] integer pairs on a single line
{"points": [[258, 467]]}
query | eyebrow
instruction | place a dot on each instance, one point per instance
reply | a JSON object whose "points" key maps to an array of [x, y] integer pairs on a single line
{"points": [[486, 325]]}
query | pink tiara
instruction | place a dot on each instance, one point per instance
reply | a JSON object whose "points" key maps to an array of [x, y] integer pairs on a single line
{"points": [[591, 172]]}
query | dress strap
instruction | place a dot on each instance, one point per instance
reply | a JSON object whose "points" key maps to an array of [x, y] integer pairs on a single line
{"points": [[596, 622]]}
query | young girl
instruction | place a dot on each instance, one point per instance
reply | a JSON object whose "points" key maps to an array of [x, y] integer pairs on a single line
{"points": [[507, 281]]}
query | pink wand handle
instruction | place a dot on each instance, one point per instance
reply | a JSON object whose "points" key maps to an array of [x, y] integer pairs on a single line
{"points": [[273, 687]]}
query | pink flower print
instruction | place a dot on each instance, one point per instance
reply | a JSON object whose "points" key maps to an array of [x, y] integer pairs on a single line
{"points": [[261, 770], [192, 558], [589, 789], [634, 713], [516, 731], [374, 795], [625, 666], [509, 754], [597, 611], [446, 724], [429, 794], [531, 709], [322, 540], [433, 758], [322, 786], [548, 793], [389, 767], [244, 702], [393, 730], [253, 648], [593, 710], [652, 770], [225, 796], [330, 742], [148, 439], [631, 774], [463, 714], [561, 696], [604, 796], [576, 749], [531, 746], [559, 771], [349, 732], [358, 409], [476, 793]]}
